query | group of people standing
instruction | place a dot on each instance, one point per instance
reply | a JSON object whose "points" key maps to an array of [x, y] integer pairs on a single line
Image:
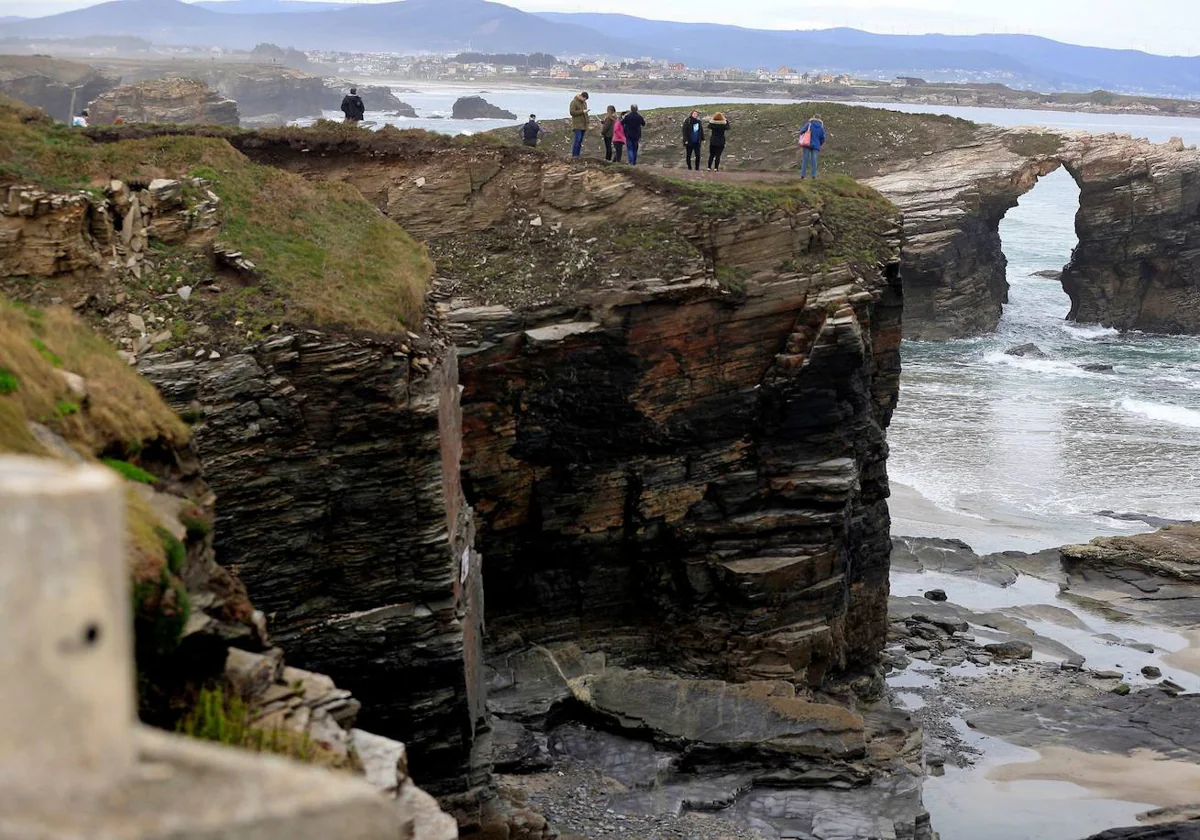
{"points": [[622, 134], [693, 139]]}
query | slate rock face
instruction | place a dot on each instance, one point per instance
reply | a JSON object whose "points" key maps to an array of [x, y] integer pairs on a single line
{"points": [[478, 108], [164, 101]]}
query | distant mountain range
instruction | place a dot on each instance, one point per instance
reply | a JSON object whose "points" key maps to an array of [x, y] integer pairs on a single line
{"points": [[267, 7], [451, 25]]}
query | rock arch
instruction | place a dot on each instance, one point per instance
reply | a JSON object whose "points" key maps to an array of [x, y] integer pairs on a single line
{"points": [[1137, 264]]}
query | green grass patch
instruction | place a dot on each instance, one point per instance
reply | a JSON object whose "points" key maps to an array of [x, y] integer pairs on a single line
{"points": [[325, 254], [46, 353], [176, 552], [223, 717], [1034, 145], [9, 383], [862, 142], [65, 408], [130, 472]]}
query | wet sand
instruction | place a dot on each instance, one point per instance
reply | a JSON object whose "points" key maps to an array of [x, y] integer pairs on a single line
{"points": [[1187, 659], [988, 531], [1144, 776]]}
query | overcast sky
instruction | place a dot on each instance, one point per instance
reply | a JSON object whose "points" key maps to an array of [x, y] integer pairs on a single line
{"points": [[1162, 26]]}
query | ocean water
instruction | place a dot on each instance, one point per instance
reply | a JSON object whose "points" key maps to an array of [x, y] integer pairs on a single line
{"points": [[1003, 439]]}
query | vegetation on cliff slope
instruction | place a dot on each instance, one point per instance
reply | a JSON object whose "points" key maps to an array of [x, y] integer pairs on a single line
{"points": [[324, 255], [49, 360], [862, 142]]}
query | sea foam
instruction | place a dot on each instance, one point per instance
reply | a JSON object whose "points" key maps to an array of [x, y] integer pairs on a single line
{"points": [[1163, 413]]}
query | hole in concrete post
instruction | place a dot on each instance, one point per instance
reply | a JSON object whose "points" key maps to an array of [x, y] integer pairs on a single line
{"points": [[91, 634]]}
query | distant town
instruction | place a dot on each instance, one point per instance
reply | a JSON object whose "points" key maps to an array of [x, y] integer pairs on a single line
{"points": [[539, 66]]}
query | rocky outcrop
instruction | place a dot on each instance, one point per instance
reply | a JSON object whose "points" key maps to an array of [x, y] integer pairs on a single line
{"points": [[60, 88], [307, 430], [1137, 265], [674, 472], [1172, 555], [954, 265], [164, 101], [478, 108]]}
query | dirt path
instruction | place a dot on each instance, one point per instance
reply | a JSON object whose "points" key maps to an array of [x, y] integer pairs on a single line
{"points": [[728, 176]]}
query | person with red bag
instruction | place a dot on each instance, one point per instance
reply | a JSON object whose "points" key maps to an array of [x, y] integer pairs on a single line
{"points": [[812, 138]]}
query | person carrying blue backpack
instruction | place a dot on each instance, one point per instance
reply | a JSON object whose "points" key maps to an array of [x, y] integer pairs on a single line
{"points": [[812, 138]]}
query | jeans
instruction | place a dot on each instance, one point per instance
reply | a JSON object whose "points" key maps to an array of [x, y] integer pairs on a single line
{"points": [[577, 148], [618, 151], [714, 156], [608, 148], [693, 149], [631, 147], [808, 159]]}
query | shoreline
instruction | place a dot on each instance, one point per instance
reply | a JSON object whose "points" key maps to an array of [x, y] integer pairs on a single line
{"points": [[739, 93]]}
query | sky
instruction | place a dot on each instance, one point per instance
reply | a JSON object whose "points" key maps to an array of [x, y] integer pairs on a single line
{"points": [[1169, 27]]}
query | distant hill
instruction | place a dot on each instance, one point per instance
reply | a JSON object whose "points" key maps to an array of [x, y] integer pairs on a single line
{"points": [[1021, 60], [10, 19], [267, 7], [482, 26], [424, 25]]}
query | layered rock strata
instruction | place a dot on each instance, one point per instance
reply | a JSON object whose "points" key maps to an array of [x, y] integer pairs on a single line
{"points": [[337, 464], [1137, 265], [678, 472], [164, 101]]}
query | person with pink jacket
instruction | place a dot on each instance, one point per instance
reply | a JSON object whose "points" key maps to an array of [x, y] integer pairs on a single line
{"points": [[618, 138]]}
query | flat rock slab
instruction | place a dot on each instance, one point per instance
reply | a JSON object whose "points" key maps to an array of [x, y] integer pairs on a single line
{"points": [[762, 716], [932, 554]]}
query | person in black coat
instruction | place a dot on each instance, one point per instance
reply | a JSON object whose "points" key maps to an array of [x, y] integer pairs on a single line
{"points": [[717, 127], [693, 137], [353, 107], [633, 123]]}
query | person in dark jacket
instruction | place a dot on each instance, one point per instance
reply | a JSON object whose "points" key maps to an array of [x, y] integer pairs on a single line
{"points": [[353, 107], [812, 138], [717, 127], [606, 130], [633, 123], [693, 137], [531, 132]]}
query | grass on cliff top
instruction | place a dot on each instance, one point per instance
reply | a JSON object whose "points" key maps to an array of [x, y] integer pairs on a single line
{"points": [[855, 215], [862, 142], [321, 248], [121, 409]]}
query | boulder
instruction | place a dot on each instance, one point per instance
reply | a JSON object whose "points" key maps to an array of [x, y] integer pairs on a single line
{"points": [[1150, 672], [1096, 367], [1010, 650], [936, 595], [478, 108], [1030, 350]]}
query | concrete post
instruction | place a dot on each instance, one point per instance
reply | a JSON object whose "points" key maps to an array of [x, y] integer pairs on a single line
{"points": [[67, 704]]}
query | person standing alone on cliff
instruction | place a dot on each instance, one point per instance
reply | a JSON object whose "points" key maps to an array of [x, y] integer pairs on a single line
{"points": [[579, 122], [353, 107], [717, 127], [633, 122], [812, 138], [606, 131], [693, 137]]}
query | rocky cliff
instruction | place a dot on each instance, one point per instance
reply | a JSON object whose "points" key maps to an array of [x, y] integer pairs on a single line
{"points": [[1137, 265], [119, 255], [60, 88], [164, 102]]}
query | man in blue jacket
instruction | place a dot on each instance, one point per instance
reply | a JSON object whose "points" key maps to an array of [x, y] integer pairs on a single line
{"points": [[633, 123], [812, 138]]}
